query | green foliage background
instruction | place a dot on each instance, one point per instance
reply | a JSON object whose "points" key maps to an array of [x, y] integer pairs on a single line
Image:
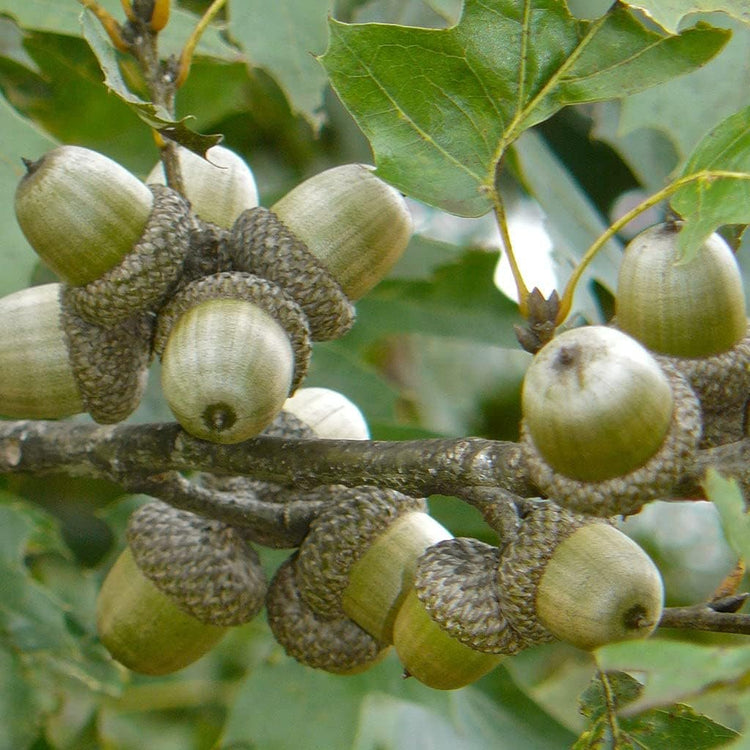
{"points": [[433, 352]]}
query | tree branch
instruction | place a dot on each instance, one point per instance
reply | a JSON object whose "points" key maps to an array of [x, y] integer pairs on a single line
{"points": [[707, 617], [123, 451], [416, 467]]}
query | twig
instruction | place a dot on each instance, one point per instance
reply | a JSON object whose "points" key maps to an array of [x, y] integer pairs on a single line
{"points": [[119, 452], [705, 617], [415, 467]]}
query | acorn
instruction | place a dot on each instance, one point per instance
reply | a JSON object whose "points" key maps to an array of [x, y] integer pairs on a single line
{"points": [[359, 557], [605, 428], [327, 242], [233, 347], [177, 588], [328, 413], [450, 629], [568, 577], [692, 314], [357, 225], [219, 187], [117, 243], [54, 364]]}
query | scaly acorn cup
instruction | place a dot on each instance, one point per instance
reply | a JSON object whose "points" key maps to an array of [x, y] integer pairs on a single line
{"points": [[233, 347], [359, 556], [693, 315], [54, 364], [327, 242], [564, 576], [117, 243], [177, 588], [605, 429], [219, 187], [450, 630], [334, 644]]}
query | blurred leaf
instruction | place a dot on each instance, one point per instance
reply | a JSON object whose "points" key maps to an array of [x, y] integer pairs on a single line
{"points": [[673, 670], [283, 701], [64, 17], [435, 14], [669, 13], [20, 138], [709, 203], [46, 621], [459, 299], [153, 115], [283, 37], [20, 708], [572, 221], [450, 398], [735, 521], [656, 729], [711, 90], [648, 152], [507, 65]]}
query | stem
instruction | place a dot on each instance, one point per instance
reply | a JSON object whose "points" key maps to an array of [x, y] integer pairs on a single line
{"points": [[566, 302], [109, 24], [703, 617], [415, 467], [502, 223], [186, 57], [611, 703]]}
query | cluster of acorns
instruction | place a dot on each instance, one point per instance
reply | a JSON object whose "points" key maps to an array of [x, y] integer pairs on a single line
{"points": [[227, 294], [230, 295]]}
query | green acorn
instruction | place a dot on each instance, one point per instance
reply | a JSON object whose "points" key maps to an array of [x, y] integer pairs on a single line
{"points": [[117, 243]]}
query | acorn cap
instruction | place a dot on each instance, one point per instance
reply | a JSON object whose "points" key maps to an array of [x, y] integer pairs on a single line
{"points": [[204, 566], [143, 629], [456, 582], [81, 211], [722, 384], [340, 536], [261, 244], [335, 644], [219, 187], [110, 365]]}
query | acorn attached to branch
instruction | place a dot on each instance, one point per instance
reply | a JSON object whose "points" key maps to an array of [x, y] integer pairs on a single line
{"points": [[177, 588], [233, 347], [55, 364], [582, 581], [450, 629], [360, 560], [327, 242], [359, 557], [605, 429], [117, 243], [693, 315]]}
